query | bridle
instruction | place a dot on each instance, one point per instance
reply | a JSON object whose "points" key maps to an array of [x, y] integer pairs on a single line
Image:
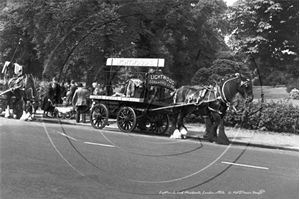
{"points": [[245, 85]]}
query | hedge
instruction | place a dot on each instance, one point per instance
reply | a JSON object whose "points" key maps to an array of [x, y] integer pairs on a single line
{"points": [[281, 116]]}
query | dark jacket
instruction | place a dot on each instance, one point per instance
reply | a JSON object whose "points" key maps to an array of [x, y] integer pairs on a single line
{"points": [[70, 94], [49, 96]]}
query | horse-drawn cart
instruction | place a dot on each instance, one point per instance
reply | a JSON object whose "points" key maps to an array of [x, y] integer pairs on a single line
{"points": [[147, 107]]}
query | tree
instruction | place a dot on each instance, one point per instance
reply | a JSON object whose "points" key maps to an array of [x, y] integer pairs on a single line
{"points": [[268, 31], [226, 63], [17, 25], [72, 39]]}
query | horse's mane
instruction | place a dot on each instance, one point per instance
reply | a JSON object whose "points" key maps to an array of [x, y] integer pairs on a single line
{"points": [[228, 76]]}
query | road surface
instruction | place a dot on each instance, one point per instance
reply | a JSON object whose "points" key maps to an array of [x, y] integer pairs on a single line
{"points": [[49, 160]]}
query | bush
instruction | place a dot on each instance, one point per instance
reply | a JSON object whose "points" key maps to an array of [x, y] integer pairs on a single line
{"points": [[292, 84], [280, 116], [294, 94]]}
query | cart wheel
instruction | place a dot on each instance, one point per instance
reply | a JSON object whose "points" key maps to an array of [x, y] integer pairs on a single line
{"points": [[99, 116], [126, 119], [159, 123]]}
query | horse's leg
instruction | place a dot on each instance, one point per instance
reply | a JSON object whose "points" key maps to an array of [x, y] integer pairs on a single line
{"points": [[26, 111], [174, 123], [182, 129], [222, 138], [24, 114], [35, 107], [7, 110], [210, 129], [207, 122], [30, 111]]}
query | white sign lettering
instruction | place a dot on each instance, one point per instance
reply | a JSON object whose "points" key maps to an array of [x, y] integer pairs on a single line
{"points": [[146, 62]]}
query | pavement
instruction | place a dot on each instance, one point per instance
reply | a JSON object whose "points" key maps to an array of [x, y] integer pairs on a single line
{"points": [[237, 136]]}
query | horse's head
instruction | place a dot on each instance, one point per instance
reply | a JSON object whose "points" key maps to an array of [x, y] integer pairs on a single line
{"points": [[7, 71], [245, 88], [233, 84]]}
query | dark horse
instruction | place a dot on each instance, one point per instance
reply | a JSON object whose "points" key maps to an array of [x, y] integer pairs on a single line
{"points": [[22, 87], [211, 103]]}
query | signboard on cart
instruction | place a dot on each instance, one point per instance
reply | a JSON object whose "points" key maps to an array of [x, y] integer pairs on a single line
{"points": [[161, 80], [141, 62]]}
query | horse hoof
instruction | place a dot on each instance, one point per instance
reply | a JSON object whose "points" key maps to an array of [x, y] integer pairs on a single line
{"points": [[183, 132], [223, 141], [211, 138], [176, 134]]}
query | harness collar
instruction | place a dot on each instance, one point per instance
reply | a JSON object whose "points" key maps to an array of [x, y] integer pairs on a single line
{"points": [[221, 91]]}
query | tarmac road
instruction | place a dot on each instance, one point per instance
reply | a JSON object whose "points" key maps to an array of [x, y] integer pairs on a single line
{"points": [[49, 160]]}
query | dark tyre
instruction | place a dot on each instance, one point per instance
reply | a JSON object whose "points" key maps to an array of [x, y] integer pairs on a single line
{"points": [[159, 123], [126, 119], [99, 116]]}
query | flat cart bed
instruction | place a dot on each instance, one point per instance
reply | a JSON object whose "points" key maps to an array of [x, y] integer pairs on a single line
{"points": [[116, 98], [130, 113]]}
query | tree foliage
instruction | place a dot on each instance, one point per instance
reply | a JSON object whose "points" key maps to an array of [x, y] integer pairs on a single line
{"points": [[225, 63], [72, 39], [268, 31]]}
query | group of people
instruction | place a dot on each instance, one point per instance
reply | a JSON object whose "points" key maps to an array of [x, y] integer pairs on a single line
{"points": [[66, 94]]}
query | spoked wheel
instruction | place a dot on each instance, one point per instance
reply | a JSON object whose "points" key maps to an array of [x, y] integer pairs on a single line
{"points": [[99, 116], [159, 123], [126, 119]]}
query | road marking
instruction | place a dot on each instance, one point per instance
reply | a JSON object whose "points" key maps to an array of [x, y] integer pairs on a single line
{"points": [[68, 136], [245, 165], [98, 144]]}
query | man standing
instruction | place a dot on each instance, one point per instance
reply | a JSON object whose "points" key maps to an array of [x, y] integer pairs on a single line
{"points": [[80, 101], [71, 92], [57, 91]]}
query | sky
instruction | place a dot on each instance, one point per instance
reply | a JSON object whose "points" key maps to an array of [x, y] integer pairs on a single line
{"points": [[229, 2]]}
